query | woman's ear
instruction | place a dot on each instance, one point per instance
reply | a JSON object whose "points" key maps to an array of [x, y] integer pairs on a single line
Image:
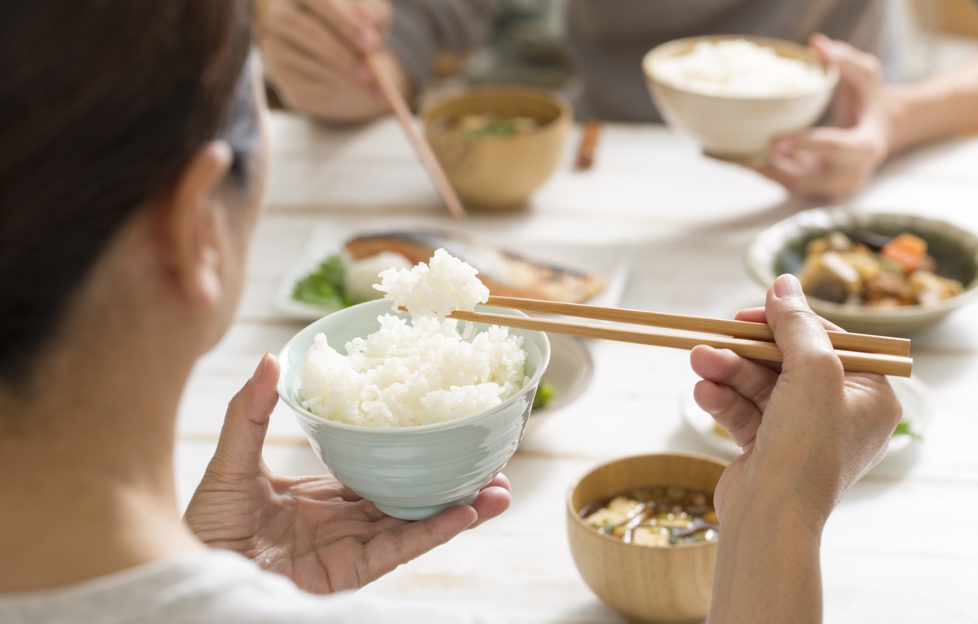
{"points": [[188, 233]]}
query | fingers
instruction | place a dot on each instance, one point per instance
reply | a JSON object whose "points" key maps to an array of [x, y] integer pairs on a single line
{"points": [[342, 18], [752, 315], [826, 161], [860, 69], [800, 335], [757, 315], [289, 66], [724, 367], [375, 13], [398, 541], [735, 391], [243, 434], [288, 25], [838, 146], [829, 161], [493, 500], [404, 542], [734, 412]]}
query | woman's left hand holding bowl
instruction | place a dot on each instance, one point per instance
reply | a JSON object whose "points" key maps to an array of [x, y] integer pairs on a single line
{"points": [[314, 530]]}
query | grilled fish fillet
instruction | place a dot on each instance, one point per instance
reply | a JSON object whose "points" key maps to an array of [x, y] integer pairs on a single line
{"points": [[505, 273]]}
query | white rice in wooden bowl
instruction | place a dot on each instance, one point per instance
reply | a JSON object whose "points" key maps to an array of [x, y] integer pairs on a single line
{"points": [[419, 372]]}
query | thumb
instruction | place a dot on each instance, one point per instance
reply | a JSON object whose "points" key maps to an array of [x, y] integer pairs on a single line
{"points": [[859, 70], [243, 434], [800, 335]]}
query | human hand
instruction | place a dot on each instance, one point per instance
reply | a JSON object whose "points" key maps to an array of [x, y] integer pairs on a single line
{"points": [[311, 529], [836, 160], [313, 52], [808, 431]]}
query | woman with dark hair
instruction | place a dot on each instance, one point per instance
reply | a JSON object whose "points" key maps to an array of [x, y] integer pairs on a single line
{"points": [[132, 163]]}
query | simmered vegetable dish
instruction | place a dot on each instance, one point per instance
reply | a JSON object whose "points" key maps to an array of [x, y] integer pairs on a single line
{"points": [[874, 271], [656, 516]]}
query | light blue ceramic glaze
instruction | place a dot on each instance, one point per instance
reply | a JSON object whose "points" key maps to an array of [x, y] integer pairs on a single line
{"points": [[412, 472]]}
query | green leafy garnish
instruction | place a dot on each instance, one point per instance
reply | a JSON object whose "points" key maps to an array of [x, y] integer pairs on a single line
{"points": [[904, 429], [495, 127], [324, 286], [544, 396]]}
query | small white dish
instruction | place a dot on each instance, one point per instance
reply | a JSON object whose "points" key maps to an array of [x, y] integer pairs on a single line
{"points": [[569, 372], [609, 261], [913, 396]]}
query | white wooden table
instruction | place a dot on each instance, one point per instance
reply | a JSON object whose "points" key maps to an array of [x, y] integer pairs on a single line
{"points": [[902, 547]]}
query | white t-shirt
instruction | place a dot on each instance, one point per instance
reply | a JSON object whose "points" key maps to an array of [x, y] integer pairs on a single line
{"points": [[209, 587]]}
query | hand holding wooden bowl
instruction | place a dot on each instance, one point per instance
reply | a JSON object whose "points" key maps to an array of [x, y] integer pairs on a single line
{"points": [[497, 144]]}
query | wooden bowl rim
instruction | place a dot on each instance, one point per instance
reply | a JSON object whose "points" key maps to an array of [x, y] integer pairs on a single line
{"points": [[572, 513], [516, 91]]}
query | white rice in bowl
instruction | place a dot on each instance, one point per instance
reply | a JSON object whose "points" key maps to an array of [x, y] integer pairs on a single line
{"points": [[428, 370], [739, 68]]}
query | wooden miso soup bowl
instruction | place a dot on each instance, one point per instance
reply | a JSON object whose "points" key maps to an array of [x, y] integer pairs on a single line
{"points": [[498, 172], [644, 583]]}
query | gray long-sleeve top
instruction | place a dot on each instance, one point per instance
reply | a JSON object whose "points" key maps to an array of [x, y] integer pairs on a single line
{"points": [[607, 38]]}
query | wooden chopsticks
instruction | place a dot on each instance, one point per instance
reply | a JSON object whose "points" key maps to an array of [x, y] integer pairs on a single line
{"points": [[857, 352], [737, 329], [421, 147]]}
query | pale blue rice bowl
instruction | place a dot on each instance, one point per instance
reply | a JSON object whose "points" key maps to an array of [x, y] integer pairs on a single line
{"points": [[412, 472]]}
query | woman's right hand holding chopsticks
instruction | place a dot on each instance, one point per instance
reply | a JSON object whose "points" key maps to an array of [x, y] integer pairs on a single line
{"points": [[809, 431]]}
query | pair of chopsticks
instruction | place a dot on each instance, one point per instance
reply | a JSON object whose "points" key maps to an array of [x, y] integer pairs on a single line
{"points": [[858, 352], [421, 147]]}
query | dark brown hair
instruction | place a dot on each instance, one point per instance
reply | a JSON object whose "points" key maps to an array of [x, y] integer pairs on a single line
{"points": [[102, 104]]}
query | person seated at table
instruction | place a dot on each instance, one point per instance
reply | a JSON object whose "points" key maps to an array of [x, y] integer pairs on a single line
{"points": [[130, 185], [313, 48]]}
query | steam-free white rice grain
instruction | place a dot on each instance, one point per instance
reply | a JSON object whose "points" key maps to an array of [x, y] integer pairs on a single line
{"points": [[421, 372]]}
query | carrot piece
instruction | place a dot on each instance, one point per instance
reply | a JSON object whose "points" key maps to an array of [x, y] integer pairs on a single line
{"points": [[906, 250]]}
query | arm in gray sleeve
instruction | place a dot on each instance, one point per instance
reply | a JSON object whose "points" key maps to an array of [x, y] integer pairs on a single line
{"points": [[423, 28]]}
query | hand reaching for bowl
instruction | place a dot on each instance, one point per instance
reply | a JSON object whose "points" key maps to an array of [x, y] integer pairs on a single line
{"points": [[311, 529], [836, 160], [313, 52], [809, 432]]}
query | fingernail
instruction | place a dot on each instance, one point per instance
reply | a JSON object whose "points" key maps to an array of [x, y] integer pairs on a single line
{"points": [[260, 369], [788, 286]]}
